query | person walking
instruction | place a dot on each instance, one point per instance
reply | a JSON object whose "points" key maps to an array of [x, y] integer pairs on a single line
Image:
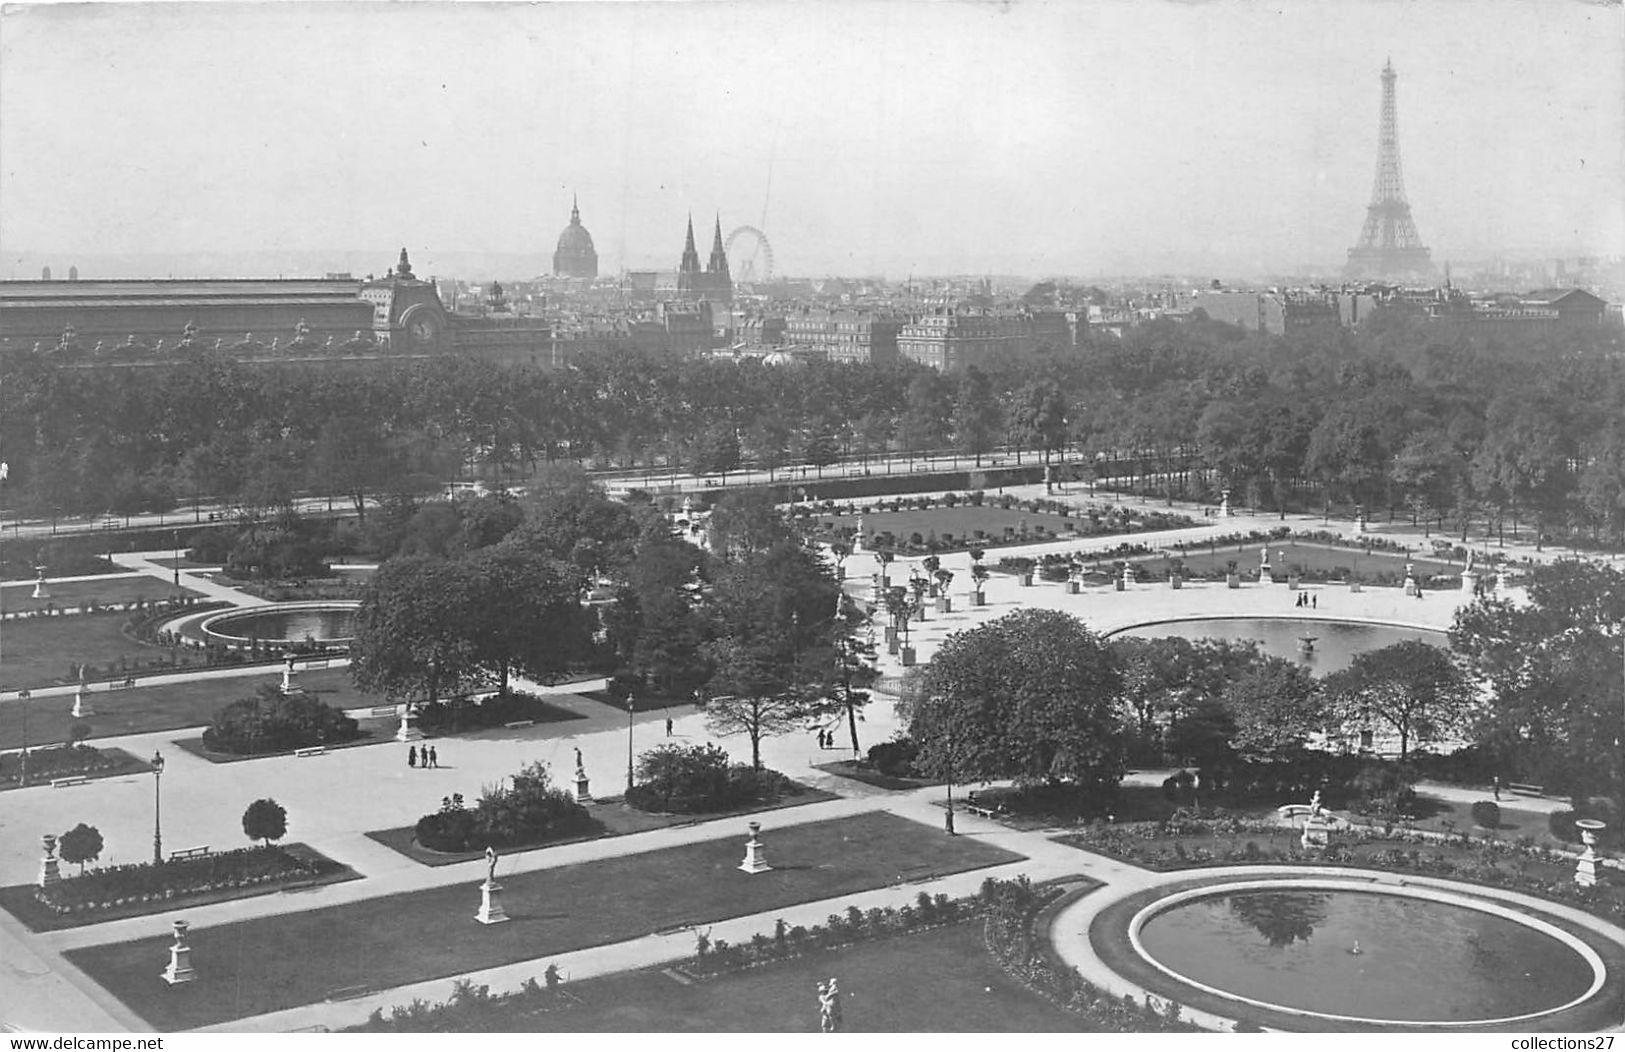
{"points": [[434, 757], [668, 726], [1314, 601], [411, 756], [1495, 785]]}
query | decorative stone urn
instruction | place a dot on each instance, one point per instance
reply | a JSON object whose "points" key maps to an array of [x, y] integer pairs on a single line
{"points": [[1585, 874]]}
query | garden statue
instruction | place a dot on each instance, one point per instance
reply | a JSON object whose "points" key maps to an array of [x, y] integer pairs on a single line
{"points": [[491, 911], [1315, 807], [579, 765], [180, 958], [754, 861]]}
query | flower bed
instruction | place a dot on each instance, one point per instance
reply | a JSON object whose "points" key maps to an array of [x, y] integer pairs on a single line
{"points": [[1516, 865], [67, 761], [113, 887]]}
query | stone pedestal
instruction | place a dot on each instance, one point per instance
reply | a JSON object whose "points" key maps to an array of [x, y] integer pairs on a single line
{"points": [[491, 911], [978, 599], [1073, 588], [1469, 583], [1176, 582], [50, 870], [1317, 832], [583, 794], [1128, 577], [1411, 587], [1026, 580], [40, 591], [180, 968], [1232, 580], [907, 654], [289, 687], [81, 707], [755, 859], [1224, 505], [945, 605], [408, 730], [1585, 873]]}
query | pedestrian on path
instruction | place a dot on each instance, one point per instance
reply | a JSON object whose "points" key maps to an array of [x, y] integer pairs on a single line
{"points": [[411, 756], [434, 757], [668, 726], [1314, 601], [1495, 785]]}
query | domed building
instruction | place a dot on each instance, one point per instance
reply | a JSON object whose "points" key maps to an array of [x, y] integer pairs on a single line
{"points": [[575, 257]]}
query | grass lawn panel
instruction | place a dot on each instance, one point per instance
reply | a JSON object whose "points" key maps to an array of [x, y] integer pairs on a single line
{"points": [[1208, 559], [40, 649], [962, 521], [70, 594], [270, 963], [371, 732], [18, 900], [1108, 936], [164, 707], [120, 763], [644, 701], [869, 776], [614, 819], [939, 981]]}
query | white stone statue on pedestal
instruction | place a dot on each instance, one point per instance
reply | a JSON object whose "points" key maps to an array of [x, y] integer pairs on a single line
{"points": [[408, 730], [583, 794], [40, 591], [491, 911], [81, 707]]}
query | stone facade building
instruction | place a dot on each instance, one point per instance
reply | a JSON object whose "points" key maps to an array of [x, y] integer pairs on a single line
{"points": [[575, 256]]}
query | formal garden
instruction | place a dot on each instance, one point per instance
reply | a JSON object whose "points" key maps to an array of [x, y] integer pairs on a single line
{"points": [[939, 964], [71, 759], [956, 521], [191, 877], [265, 964]]}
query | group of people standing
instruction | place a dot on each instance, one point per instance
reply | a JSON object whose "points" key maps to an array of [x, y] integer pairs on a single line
{"points": [[1308, 599], [429, 756]]}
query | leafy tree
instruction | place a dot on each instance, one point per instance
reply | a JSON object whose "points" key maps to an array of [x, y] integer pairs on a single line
{"points": [[1414, 689], [772, 655], [855, 669], [717, 452], [527, 615], [1031, 696], [1552, 668], [745, 522], [1276, 707], [81, 844], [265, 820], [412, 630]]}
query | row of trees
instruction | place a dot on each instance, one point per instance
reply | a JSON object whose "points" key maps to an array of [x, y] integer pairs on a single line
{"points": [[1405, 414], [756, 626]]}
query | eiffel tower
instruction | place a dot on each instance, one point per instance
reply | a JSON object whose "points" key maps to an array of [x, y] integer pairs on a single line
{"points": [[1389, 247]]}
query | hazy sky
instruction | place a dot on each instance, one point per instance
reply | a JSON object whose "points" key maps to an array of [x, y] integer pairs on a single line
{"points": [[865, 136]]}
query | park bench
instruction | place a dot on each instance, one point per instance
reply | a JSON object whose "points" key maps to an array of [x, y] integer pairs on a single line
{"points": [[384, 710], [71, 780], [189, 852], [1526, 789], [310, 750], [119, 684], [517, 724], [976, 807]]}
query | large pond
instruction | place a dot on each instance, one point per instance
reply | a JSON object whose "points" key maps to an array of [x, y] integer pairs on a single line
{"points": [[1335, 642], [321, 625], [1418, 960]]}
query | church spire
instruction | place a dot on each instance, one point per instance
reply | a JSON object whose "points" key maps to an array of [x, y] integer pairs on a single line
{"points": [[691, 257], [575, 211], [719, 259]]}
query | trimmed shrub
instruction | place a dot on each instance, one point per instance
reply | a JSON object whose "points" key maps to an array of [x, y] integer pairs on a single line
{"points": [[693, 779], [271, 721], [895, 758], [1486, 814], [532, 810]]}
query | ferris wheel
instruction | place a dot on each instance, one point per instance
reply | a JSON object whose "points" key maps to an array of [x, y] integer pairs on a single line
{"points": [[750, 257]]}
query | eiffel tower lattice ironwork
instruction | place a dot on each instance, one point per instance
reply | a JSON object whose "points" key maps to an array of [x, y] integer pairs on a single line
{"points": [[1389, 246]]}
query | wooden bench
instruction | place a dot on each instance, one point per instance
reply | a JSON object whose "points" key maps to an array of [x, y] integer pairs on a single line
{"points": [[975, 807], [310, 750], [189, 852], [517, 724], [71, 780], [385, 710], [1526, 789]]}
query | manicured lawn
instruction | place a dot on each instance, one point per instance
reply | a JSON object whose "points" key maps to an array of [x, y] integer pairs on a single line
{"points": [[998, 525], [1314, 558], [77, 593], [862, 772], [40, 650], [643, 701], [614, 819], [60, 761], [137, 710], [19, 900], [941, 981], [262, 965]]}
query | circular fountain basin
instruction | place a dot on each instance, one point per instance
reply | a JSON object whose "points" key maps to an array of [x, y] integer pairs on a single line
{"points": [[1342, 951], [283, 624]]}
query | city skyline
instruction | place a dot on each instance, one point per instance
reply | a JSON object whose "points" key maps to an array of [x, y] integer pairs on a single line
{"points": [[864, 137]]}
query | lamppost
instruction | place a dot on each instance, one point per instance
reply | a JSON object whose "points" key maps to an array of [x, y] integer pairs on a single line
{"points": [[630, 709], [948, 815], [175, 538], [22, 760], [157, 813]]}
